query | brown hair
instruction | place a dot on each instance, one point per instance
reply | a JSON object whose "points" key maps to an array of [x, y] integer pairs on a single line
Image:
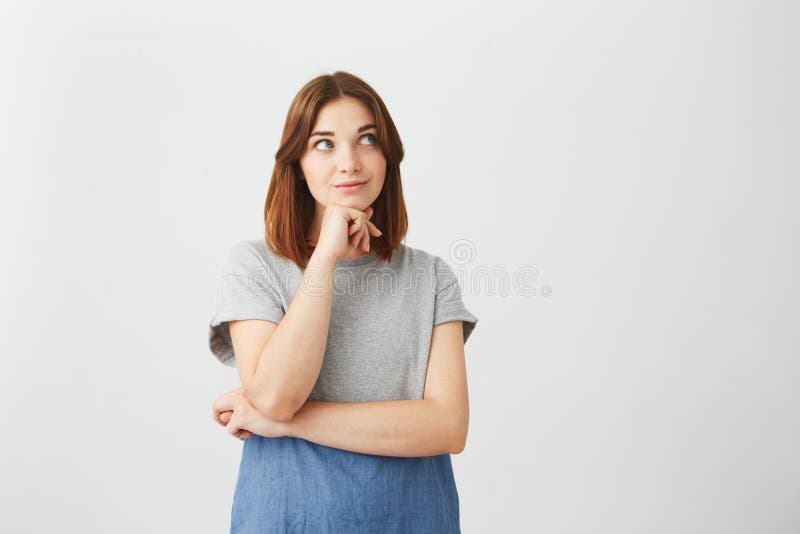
{"points": [[289, 208]]}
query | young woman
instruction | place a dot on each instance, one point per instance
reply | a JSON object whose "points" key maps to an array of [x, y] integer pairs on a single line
{"points": [[348, 343]]}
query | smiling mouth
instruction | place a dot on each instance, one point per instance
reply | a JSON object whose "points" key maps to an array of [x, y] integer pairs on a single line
{"points": [[351, 187], [350, 183]]}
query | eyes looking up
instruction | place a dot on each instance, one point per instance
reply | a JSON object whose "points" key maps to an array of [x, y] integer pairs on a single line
{"points": [[317, 144]]}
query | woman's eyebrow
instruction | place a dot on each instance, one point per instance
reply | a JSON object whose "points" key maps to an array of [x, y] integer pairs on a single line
{"points": [[365, 127]]}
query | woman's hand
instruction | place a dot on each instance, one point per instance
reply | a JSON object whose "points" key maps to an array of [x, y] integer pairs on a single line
{"points": [[344, 229], [235, 411]]}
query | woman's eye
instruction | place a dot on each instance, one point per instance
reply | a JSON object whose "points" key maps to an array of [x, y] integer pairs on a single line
{"points": [[374, 141], [316, 145]]}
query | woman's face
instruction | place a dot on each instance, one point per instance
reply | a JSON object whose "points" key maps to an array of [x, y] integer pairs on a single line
{"points": [[343, 149]]}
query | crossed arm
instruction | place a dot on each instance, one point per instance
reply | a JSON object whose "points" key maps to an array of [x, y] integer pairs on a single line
{"points": [[436, 424], [393, 428]]}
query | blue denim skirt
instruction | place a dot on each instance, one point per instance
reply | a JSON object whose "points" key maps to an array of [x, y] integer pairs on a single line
{"points": [[290, 485]]}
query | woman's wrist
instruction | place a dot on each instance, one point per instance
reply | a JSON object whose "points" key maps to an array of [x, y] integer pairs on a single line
{"points": [[289, 429], [322, 257], [293, 428]]}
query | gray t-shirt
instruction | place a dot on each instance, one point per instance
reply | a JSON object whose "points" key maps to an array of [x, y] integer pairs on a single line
{"points": [[382, 316]]}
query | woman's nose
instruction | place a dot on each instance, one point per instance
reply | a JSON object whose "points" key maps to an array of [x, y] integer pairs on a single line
{"points": [[349, 162]]}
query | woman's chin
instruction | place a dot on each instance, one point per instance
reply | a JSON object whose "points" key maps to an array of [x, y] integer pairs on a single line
{"points": [[355, 203]]}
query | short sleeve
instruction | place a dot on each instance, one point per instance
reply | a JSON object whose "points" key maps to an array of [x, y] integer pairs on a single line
{"points": [[448, 305], [247, 289]]}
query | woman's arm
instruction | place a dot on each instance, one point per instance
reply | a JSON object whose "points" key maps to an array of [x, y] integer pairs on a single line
{"points": [[391, 428], [436, 424], [279, 364], [278, 376]]}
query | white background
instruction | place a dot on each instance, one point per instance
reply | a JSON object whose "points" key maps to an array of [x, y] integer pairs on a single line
{"points": [[641, 156]]}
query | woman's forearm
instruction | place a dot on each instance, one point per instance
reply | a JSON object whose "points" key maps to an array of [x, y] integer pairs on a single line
{"points": [[390, 428], [290, 362]]}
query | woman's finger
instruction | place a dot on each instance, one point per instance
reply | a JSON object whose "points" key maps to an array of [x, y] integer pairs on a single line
{"points": [[218, 417], [222, 404], [360, 229], [373, 230], [357, 221], [233, 425], [353, 228], [361, 241], [363, 220], [224, 417]]}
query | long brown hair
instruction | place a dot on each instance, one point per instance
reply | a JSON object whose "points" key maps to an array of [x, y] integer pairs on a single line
{"points": [[289, 208]]}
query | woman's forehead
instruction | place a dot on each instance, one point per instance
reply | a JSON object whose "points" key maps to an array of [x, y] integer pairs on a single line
{"points": [[343, 113]]}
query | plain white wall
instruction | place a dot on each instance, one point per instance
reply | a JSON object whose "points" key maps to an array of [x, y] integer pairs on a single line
{"points": [[642, 157]]}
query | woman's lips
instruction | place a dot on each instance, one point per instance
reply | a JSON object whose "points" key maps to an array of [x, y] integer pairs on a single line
{"points": [[348, 188]]}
